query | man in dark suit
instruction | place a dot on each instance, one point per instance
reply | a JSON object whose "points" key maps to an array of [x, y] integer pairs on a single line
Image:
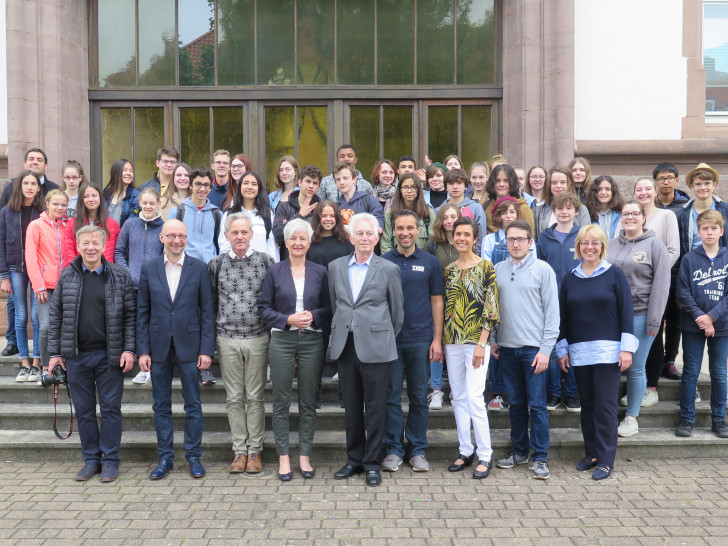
{"points": [[367, 303], [175, 328]]}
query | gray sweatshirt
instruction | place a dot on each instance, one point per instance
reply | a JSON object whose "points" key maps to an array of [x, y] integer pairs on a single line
{"points": [[529, 304], [646, 264]]}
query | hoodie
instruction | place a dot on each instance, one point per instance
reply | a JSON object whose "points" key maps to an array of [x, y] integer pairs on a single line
{"points": [[360, 202], [44, 252], [329, 190], [138, 242], [702, 289], [688, 234], [646, 264], [542, 218], [200, 224], [287, 211]]}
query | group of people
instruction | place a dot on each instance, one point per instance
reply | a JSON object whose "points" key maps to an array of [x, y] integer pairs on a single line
{"points": [[547, 284]]}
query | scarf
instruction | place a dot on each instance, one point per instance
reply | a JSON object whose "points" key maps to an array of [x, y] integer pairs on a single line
{"points": [[385, 194]]}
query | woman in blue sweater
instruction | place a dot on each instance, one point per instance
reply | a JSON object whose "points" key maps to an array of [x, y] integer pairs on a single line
{"points": [[597, 339]]}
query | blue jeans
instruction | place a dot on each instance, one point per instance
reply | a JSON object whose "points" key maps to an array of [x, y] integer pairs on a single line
{"points": [[497, 386], [10, 336], [555, 374], [162, 392], [693, 345], [526, 391], [87, 375], [436, 368], [412, 361], [20, 283], [636, 377]]}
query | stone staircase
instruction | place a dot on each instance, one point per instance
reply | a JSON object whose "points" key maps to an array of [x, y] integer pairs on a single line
{"points": [[26, 413]]}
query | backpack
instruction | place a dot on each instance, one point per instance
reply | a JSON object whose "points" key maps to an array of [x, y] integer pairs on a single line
{"points": [[215, 214]]}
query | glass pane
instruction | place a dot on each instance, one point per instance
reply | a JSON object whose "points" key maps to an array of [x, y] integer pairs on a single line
{"points": [[315, 43], [355, 45], [442, 132], [715, 57], [148, 138], [157, 43], [475, 133], [235, 42], [116, 44], [196, 42], [227, 122], [279, 139], [476, 42], [435, 42], [194, 128], [364, 132], [275, 43], [312, 136], [116, 140], [395, 42], [397, 132]]}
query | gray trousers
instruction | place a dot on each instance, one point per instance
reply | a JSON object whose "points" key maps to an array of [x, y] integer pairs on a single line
{"points": [[285, 348], [44, 321]]}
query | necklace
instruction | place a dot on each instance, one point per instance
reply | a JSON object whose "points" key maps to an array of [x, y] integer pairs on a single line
{"points": [[299, 273]]}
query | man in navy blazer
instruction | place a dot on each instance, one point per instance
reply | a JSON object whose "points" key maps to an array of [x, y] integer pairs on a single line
{"points": [[175, 328]]}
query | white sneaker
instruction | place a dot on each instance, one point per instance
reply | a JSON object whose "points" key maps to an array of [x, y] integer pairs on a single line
{"points": [[628, 427], [435, 398], [23, 374], [34, 375], [623, 401], [141, 378], [650, 398], [335, 377]]}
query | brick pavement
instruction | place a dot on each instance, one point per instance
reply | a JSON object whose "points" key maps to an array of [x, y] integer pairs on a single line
{"points": [[677, 501]]}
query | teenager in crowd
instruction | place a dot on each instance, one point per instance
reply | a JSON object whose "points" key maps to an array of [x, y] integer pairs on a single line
{"points": [[384, 178], [89, 211], [534, 185], [478, 181], [505, 211], [435, 191], [408, 195], [453, 162], [72, 177], [456, 181], [287, 176], [558, 181], [501, 182], [122, 198], [239, 165], [581, 175], [177, 191], [352, 201], [301, 204], [604, 202]]}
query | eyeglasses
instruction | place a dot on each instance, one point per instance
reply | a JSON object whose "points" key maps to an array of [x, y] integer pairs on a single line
{"points": [[514, 240], [235, 166], [408, 188], [72, 178], [172, 237], [593, 244], [666, 179], [168, 161], [631, 214], [221, 163], [199, 185]]}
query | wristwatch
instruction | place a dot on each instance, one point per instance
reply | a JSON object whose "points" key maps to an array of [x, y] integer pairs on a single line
{"points": [[483, 345]]}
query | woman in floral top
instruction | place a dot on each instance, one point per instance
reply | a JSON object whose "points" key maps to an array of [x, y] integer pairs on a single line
{"points": [[471, 313]]}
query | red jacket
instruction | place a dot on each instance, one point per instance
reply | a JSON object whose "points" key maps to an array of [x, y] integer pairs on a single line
{"points": [[70, 250]]}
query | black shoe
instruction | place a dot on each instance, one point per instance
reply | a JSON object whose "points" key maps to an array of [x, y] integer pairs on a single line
{"points": [[553, 402], [720, 428], [572, 404], [163, 468], [10, 350], [587, 463], [196, 468], [684, 429], [89, 470], [669, 371], [109, 472], [341, 403], [455, 467], [347, 471], [481, 474], [287, 477], [206, 377], [308, 474], [373, 478]]}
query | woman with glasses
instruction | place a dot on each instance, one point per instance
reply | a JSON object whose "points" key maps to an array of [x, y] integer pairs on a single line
{"points": [[122, 198], [646, 264], [597, 339], [408, 195], [44, 260], [89, 211], [534, 185], [239, 165], [72, 178]]}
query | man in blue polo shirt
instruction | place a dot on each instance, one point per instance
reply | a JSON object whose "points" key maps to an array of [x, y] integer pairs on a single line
{"points": [[418, 343]]}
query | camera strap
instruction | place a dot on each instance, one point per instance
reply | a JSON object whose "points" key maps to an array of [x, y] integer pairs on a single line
{"points": [[55, 414]]}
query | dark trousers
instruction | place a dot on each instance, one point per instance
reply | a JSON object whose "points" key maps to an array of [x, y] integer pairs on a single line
{"points": [[365, 388], [598, 387], [661, 353], [10, 336], [87, 375], [162, 371]]}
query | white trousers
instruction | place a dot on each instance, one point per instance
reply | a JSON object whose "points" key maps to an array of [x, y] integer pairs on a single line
{"points": [[468, 399]]}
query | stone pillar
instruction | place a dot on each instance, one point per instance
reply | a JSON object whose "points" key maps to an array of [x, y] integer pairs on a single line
{"points": [[538, 82], [47, 63]]}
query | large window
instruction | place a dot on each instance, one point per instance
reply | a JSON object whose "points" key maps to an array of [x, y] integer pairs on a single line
{"points": [[294, 42], [715, 56]]}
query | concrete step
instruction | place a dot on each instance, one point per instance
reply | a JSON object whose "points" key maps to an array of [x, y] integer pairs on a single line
{"points": [[566, 444]]}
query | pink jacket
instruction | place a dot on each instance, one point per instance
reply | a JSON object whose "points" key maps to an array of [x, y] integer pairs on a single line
{"points": [[44, 252]]}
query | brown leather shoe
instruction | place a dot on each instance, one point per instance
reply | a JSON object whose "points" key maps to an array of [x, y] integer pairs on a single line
{"points": [[255, 465], [239, 463]]}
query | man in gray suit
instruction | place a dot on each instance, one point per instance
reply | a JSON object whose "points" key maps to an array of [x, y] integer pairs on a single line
{"points": [[367, 304]]}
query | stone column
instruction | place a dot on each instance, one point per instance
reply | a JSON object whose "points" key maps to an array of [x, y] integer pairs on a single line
{"points": [[538, 82], [47, 63]]}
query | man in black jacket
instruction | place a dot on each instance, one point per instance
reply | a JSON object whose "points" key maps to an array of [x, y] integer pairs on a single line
{"points": [[92, 336]]}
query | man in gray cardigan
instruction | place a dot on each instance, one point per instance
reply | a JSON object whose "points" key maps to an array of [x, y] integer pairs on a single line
{"points": [[529, 326]]}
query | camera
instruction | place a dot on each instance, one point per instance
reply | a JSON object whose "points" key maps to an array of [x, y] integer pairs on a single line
{"points": [[58, 377]]}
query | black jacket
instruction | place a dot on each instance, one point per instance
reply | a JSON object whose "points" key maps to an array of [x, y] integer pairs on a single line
{"points": [[287, 211], [12, 253], [120, 312]]}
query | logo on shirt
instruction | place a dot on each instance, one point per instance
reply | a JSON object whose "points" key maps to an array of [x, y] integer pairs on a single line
{"points": [[418, 268], [640, 257], [346, 215]]}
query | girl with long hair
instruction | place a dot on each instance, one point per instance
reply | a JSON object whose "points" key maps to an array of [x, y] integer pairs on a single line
{"points": [[72, 178], [122, 198], [177, 191], [503, 181], [581, 175], [534, 186], [384, 178], [89, 211], [558, 181], [287, 176], [239, 165], [408, 195], [604, 202]]}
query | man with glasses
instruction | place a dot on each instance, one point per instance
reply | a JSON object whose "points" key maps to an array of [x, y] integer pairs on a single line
{"points": [[668, 196], [175, 329], [522, 342], [167, 158], [35, 161], [221, 167], [200, 216]]}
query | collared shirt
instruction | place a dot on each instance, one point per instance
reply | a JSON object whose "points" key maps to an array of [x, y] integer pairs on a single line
{"points": [[234, 256], [99, 270], [357, 274], [173, 271]]}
